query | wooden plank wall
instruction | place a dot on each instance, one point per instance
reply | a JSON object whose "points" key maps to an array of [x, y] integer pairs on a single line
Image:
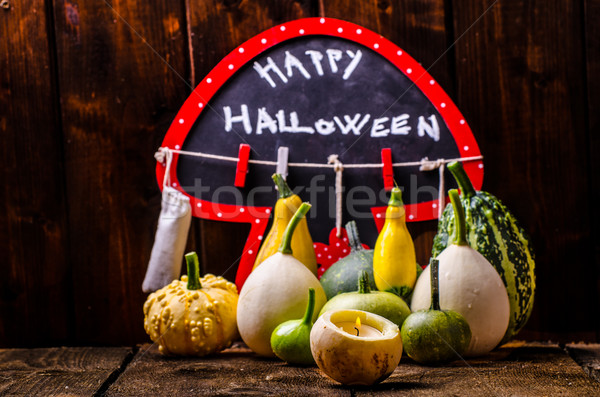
{"points": [[88, 90]]}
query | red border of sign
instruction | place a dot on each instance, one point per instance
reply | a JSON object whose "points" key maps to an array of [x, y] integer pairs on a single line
{"points": [[258, 217]]}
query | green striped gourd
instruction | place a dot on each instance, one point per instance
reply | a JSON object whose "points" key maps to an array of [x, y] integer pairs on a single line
{"points": [[493, 231]]}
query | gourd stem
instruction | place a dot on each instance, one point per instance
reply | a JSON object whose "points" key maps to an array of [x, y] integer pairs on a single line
{"points": [[461, 177], [286, 243], [396, 198], [363, 283], [282, 187], [193, 271], [459, 218], [353, 240], [310, 307], [435, 284]]}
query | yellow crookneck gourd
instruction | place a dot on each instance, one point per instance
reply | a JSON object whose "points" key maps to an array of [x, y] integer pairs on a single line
{"points": [[302, 243], [394, 260]]}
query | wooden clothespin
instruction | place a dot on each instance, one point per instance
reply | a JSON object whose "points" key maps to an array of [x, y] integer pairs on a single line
{"points": [[242, 165], [388, 170], [282, 161]]}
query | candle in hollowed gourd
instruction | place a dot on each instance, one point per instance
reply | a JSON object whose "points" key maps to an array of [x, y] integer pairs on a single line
{"points": [[355, 347]]}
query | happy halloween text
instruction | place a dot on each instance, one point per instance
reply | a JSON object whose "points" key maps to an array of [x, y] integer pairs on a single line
{"points": [[289, 122]]}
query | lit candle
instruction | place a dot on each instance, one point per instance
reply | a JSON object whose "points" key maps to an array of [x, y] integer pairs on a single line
{"points": [[358, 329], [355, 347]]}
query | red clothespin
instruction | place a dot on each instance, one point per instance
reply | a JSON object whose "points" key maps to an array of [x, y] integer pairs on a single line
{"points": [[242, 165], [388, 170]]}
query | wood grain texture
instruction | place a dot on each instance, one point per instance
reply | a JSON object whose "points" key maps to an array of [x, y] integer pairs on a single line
{"points": [[86, 100], [121, 68], [592, 56], [521, 87], [219, 26], [59, 371], [587, 356], [34, 273], [418, 27], [532, 369], [236, 371]]}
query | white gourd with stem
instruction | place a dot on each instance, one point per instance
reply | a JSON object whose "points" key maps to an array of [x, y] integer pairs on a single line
{"points": [[276, 292], [469, 285]]}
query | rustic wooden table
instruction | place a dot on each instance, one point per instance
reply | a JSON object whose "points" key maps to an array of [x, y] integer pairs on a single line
{"points": [[520, 369]]}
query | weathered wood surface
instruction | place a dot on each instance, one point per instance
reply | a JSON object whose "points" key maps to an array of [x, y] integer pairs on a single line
{"points": [[521, 83], [34, 270], [88, 90], [235, 371], [59, 371], [122, 78], [592, 41], [532, 369], [588, 357]]}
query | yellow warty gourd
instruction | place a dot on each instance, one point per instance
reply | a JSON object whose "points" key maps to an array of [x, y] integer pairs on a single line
{"points": [[193, 316], [394, 259], [302, 243]]}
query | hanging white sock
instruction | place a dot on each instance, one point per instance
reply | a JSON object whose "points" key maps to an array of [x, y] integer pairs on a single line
{"points": [[171, 236]]}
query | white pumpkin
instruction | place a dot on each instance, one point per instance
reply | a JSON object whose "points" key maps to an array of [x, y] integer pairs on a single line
{"points": [[276, 291], [469, 285]]}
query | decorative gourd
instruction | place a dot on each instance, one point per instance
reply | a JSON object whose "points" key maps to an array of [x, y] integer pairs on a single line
{"points": [[290, 341], [192, 316], [469, 285], [341, 276], [353, 359], [385, 304], [493, 231], [302, 243], [276, 292], [435, 336], [394, 258]]}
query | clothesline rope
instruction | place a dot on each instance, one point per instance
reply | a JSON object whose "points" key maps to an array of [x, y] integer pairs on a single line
{"points": [[425, 163], [333, 162], [338, 168]]}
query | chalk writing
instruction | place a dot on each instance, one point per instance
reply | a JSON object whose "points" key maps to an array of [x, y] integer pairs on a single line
{"points": [[347, 124], [293, 65]]}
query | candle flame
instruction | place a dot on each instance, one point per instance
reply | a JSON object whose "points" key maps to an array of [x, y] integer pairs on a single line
{"points": [[357, 328]]}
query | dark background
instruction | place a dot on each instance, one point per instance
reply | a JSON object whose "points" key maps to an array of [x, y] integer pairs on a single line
{"points": [[89, 89]]}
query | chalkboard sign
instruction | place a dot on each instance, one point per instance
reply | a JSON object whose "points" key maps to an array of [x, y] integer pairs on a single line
{"points": [[317, 86]]}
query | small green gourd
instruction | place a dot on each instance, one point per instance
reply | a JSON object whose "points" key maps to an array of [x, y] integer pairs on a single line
{"points": [[290, 340], [385, 304], [341, 276], [435, 336]]}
